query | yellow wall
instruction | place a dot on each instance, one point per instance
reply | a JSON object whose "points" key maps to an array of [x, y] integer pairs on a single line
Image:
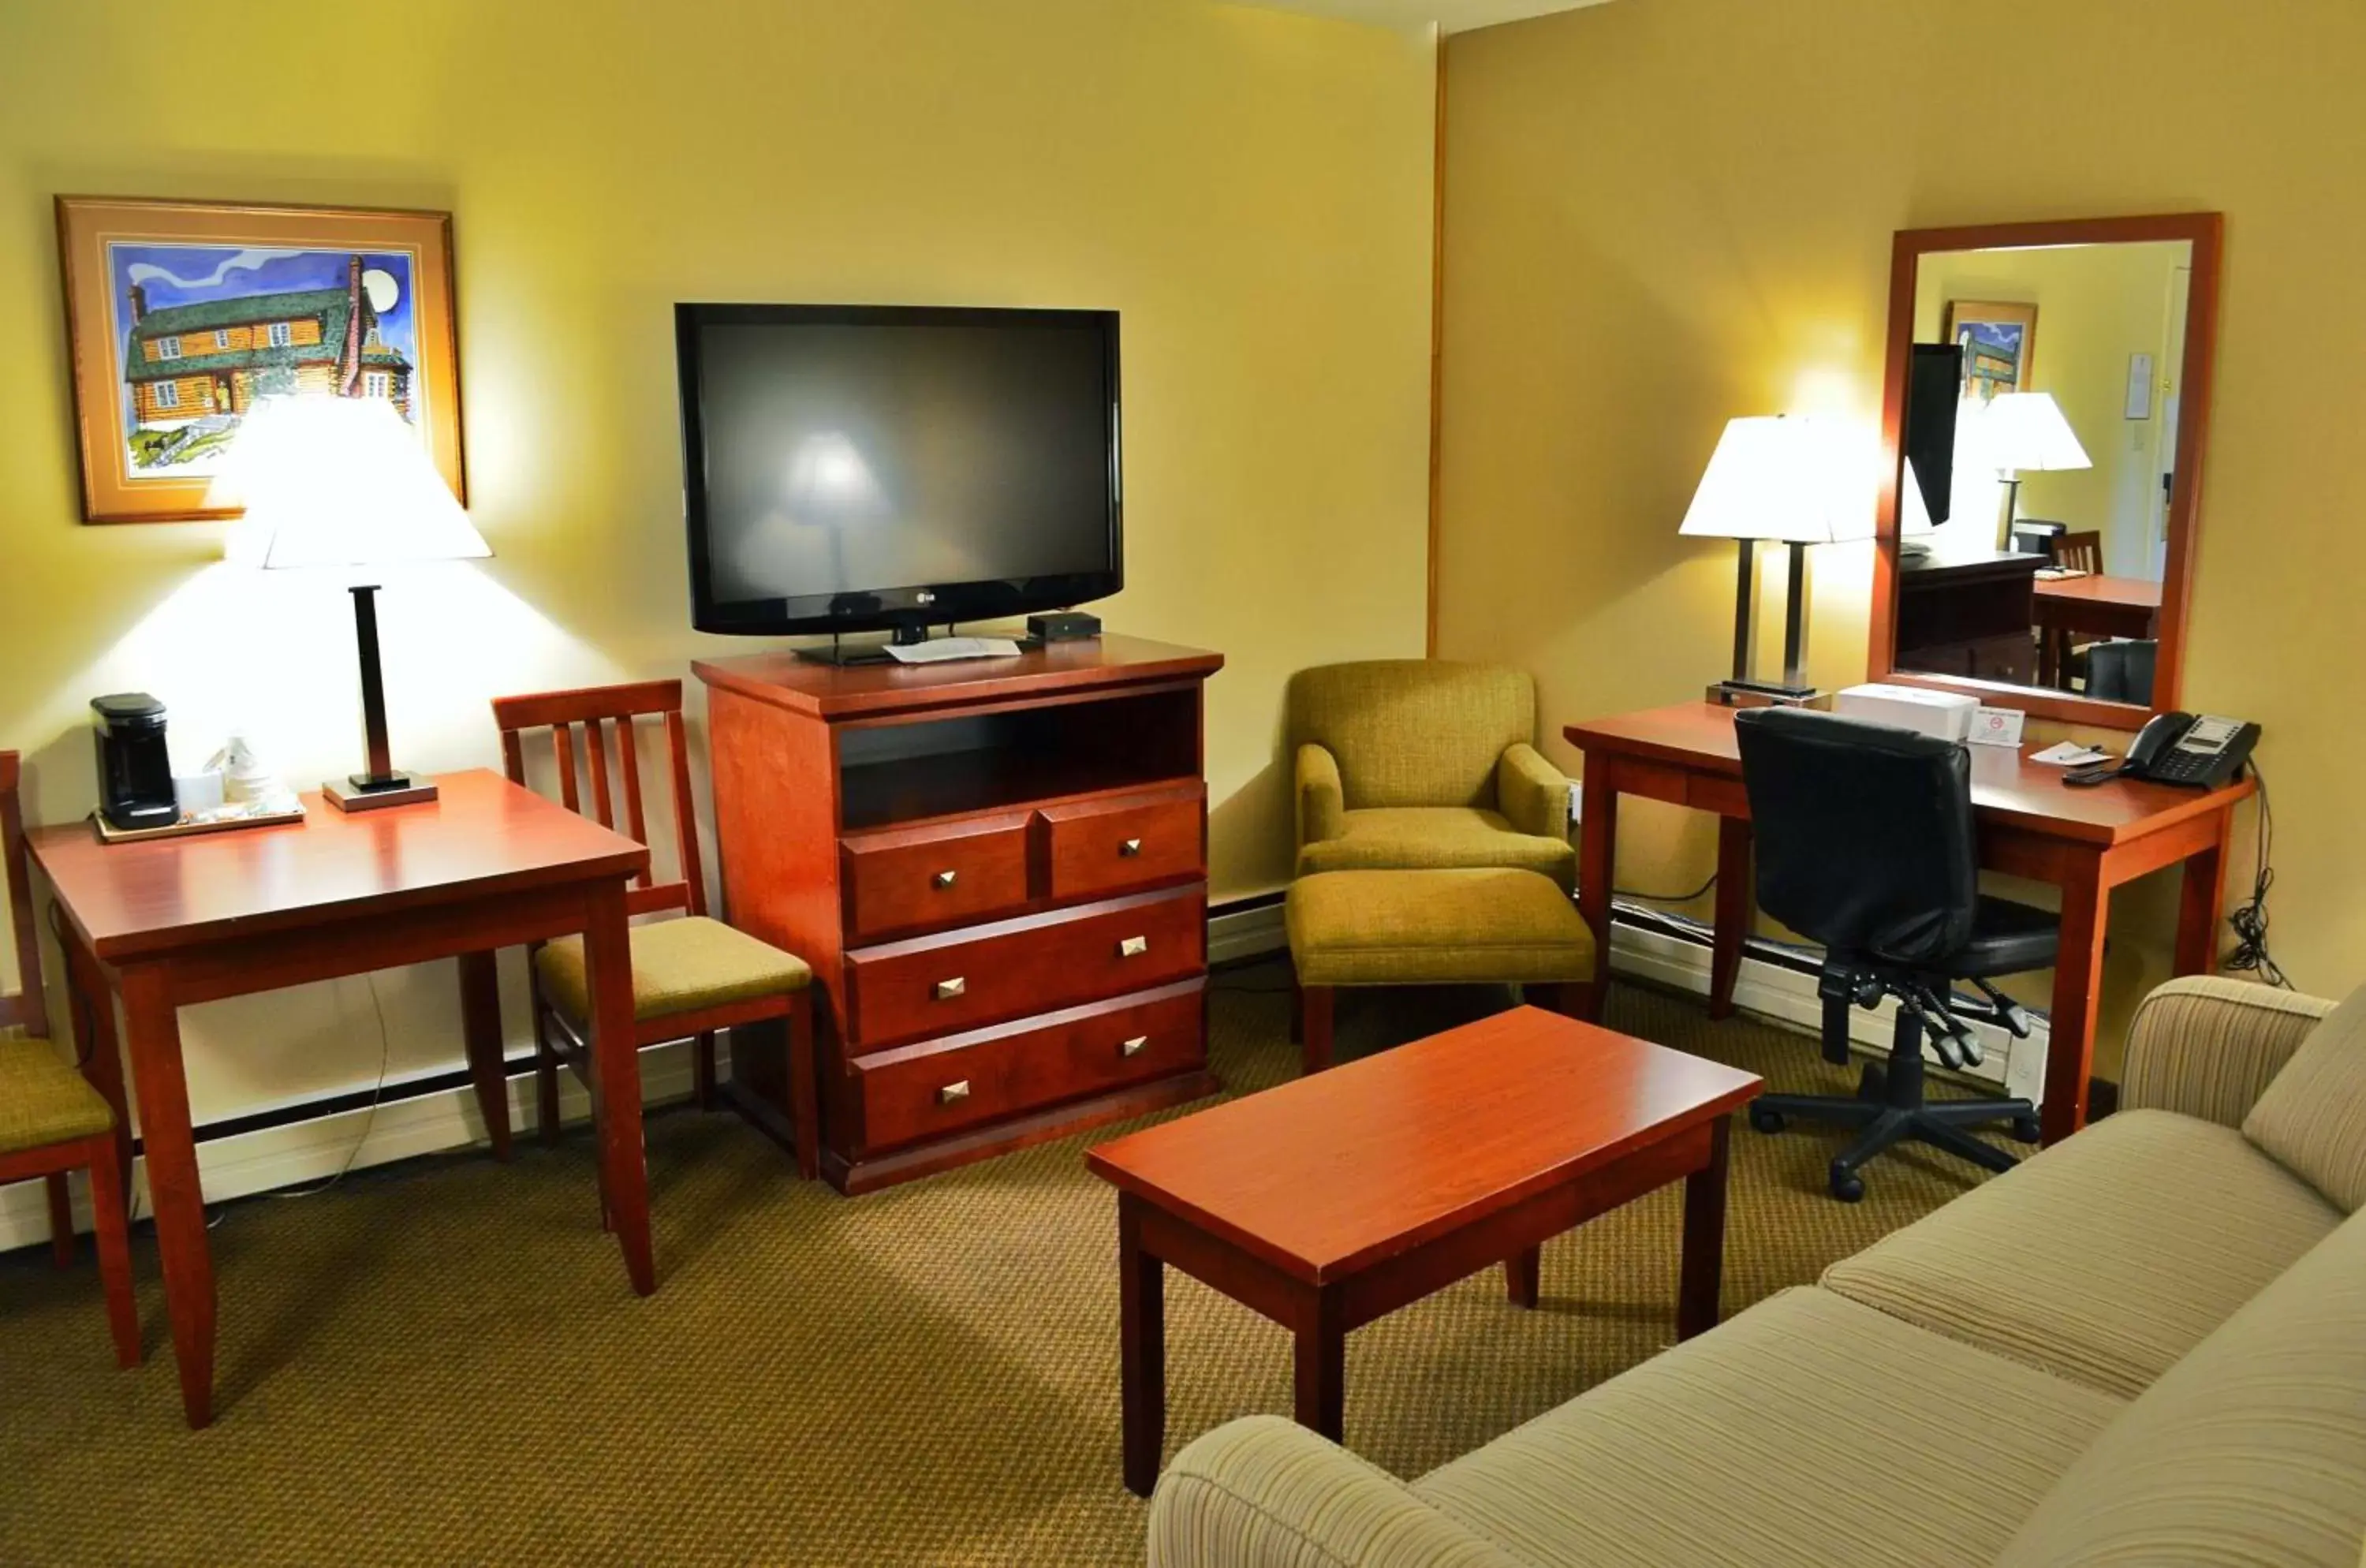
{"points": [[1664, 213], [1251, 189], [2096, 306]]}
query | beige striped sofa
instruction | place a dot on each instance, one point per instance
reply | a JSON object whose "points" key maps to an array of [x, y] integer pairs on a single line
{"points": [[2146, 1345]]}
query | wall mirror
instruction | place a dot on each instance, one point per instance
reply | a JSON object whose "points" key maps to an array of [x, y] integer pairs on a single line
{"points": [[2044, 406]]}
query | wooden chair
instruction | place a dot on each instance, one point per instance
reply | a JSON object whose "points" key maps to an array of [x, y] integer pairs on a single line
{"points": [[2077, 552], [691, 975], [53, 1119]]}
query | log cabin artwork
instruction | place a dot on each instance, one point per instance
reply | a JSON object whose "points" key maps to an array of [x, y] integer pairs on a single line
{"points": [[185, 316]]}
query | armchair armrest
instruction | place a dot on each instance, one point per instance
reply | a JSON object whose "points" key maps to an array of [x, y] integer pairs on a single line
{"points": [[2206, 1046], [1266, 1493], [1321, 800], [1532, 794]]}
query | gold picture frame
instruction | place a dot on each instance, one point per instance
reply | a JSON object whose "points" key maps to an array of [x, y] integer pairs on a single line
{"points": [[181, 314]]}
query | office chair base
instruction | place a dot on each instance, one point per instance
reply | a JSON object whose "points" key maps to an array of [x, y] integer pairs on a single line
{"points": [[1940, 1124]]}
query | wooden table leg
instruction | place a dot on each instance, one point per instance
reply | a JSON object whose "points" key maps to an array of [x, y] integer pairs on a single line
{"points": [[1322, 1363], [154, 1030], [616, 1065], [1704, 1267], [1733, 889], [2078, 987], [1142, 1375], [2201, 904], [1316, 1009], [94, 1002], [1520, 1272], [1597, 852], [480, 1025]]}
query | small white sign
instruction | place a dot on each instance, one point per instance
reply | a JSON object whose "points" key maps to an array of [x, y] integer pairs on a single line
{"points": [[1997, 727], [2139, 385]]}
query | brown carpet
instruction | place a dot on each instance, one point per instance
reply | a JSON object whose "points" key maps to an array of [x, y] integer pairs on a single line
{"points": [[442, 1363]]}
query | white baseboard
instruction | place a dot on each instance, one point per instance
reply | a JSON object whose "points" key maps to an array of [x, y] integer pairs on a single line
{"points": [[1235, 934], [302, 1153], [1785, 996]]}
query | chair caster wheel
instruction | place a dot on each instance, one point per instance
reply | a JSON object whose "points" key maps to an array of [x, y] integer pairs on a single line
{"points": [[1765, 1121], [2025, 1128], [1847, 1186], [1871, 1084]]}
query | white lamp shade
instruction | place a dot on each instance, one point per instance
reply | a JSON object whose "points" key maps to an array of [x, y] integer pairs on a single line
{"points": [[2022, 433], [1783, 476], [338, 482]]}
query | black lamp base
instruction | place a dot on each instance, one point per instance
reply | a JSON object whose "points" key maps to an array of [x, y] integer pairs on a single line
{"points": [[362, 793], [1761, 694]]}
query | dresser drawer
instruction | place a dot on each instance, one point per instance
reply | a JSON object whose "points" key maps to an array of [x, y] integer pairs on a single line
{"points": [[939, 985], [1134, 841], [941, 1086], [906, 879]]}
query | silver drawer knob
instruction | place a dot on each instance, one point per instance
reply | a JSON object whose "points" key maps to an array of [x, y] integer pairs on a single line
{"points": [[948, 989], [946, 878], [953, 1093], [1134, 947], [1133, 1047], [1128, 849]]}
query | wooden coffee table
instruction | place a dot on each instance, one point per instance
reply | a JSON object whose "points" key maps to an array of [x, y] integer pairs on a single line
{"points": [[1335, 1200]]}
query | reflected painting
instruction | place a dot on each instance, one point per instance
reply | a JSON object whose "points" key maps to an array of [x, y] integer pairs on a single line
{"points": [[1997, 340]]}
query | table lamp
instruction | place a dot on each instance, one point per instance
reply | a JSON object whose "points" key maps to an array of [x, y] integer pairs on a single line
{"points": [[2018, 433], [330, 482], [1779, 479]]}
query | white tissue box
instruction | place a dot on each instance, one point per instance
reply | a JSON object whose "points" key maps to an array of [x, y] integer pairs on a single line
{"points": [[1945, 714]]}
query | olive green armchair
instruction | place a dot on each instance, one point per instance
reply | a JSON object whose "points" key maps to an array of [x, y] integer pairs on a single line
{"points": [[1407, 764]]}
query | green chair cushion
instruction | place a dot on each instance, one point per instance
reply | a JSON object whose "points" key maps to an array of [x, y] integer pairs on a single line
{"points": [[683, 966], [1426, 838], [43, 1100], [1458, 927]]}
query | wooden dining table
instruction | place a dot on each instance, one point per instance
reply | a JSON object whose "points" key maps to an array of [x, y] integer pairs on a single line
{"points": [[166, 923], [2099, 606]]}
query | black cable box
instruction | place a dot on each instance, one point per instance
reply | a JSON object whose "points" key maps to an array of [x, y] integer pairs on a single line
{"points": [[1064, 626]]}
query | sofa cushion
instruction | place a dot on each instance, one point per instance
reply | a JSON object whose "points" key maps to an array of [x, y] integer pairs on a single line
{"points": [[2106, 1258], [2252, 1449], [2312, 1117], [1417, 837], [1809, 1431]]}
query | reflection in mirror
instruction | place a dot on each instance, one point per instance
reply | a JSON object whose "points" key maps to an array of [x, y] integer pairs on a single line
{"points": [[2041, 439]]}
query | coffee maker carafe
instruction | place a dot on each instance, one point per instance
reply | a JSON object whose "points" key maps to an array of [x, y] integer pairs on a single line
{"points": [[135, 772]]}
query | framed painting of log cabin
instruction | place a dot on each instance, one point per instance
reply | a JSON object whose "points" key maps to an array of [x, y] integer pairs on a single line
{"points": [[182, 316]]}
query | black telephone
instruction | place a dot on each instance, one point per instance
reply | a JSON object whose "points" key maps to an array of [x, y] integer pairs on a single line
{"points": [[2180, 748]]}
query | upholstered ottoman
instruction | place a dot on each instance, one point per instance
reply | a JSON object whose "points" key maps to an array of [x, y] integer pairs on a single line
{"points": [[1496, 926]]}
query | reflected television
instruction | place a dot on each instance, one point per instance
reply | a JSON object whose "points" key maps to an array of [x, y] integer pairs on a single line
{"points": [[851, 469]]}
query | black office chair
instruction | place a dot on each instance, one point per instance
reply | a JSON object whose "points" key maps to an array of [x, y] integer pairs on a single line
{"points": [[1864, 845], [2122, 671]]}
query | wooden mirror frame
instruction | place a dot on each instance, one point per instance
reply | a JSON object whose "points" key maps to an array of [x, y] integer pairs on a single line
{"points": [[2202, 231]]}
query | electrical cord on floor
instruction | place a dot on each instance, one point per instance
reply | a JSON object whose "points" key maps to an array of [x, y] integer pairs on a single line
{"points": [[2250, 920], [385, 1048], [1700, 892]]}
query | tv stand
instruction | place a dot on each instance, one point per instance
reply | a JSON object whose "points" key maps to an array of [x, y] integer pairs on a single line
{"points": [[997, 871]]}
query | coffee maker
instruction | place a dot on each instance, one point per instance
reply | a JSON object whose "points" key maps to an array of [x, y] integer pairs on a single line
{"points": [[135, 772]]}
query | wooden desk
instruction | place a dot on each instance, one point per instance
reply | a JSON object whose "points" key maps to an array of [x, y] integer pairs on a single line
{"points": [[2101, 606], [1337, 1199], [171, 922], [2086, 842]]}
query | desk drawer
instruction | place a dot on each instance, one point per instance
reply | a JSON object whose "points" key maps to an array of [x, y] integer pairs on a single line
{"points": [[942, 1086], [918, 878], [938, 984], [1096, 846]]}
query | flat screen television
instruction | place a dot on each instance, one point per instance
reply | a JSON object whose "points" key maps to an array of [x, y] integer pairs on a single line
{"points": [[1934, 389], [867, 468]]}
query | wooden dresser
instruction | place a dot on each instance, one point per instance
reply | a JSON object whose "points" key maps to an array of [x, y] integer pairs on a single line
{"points": [[1969, 615], [997, 869]]}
